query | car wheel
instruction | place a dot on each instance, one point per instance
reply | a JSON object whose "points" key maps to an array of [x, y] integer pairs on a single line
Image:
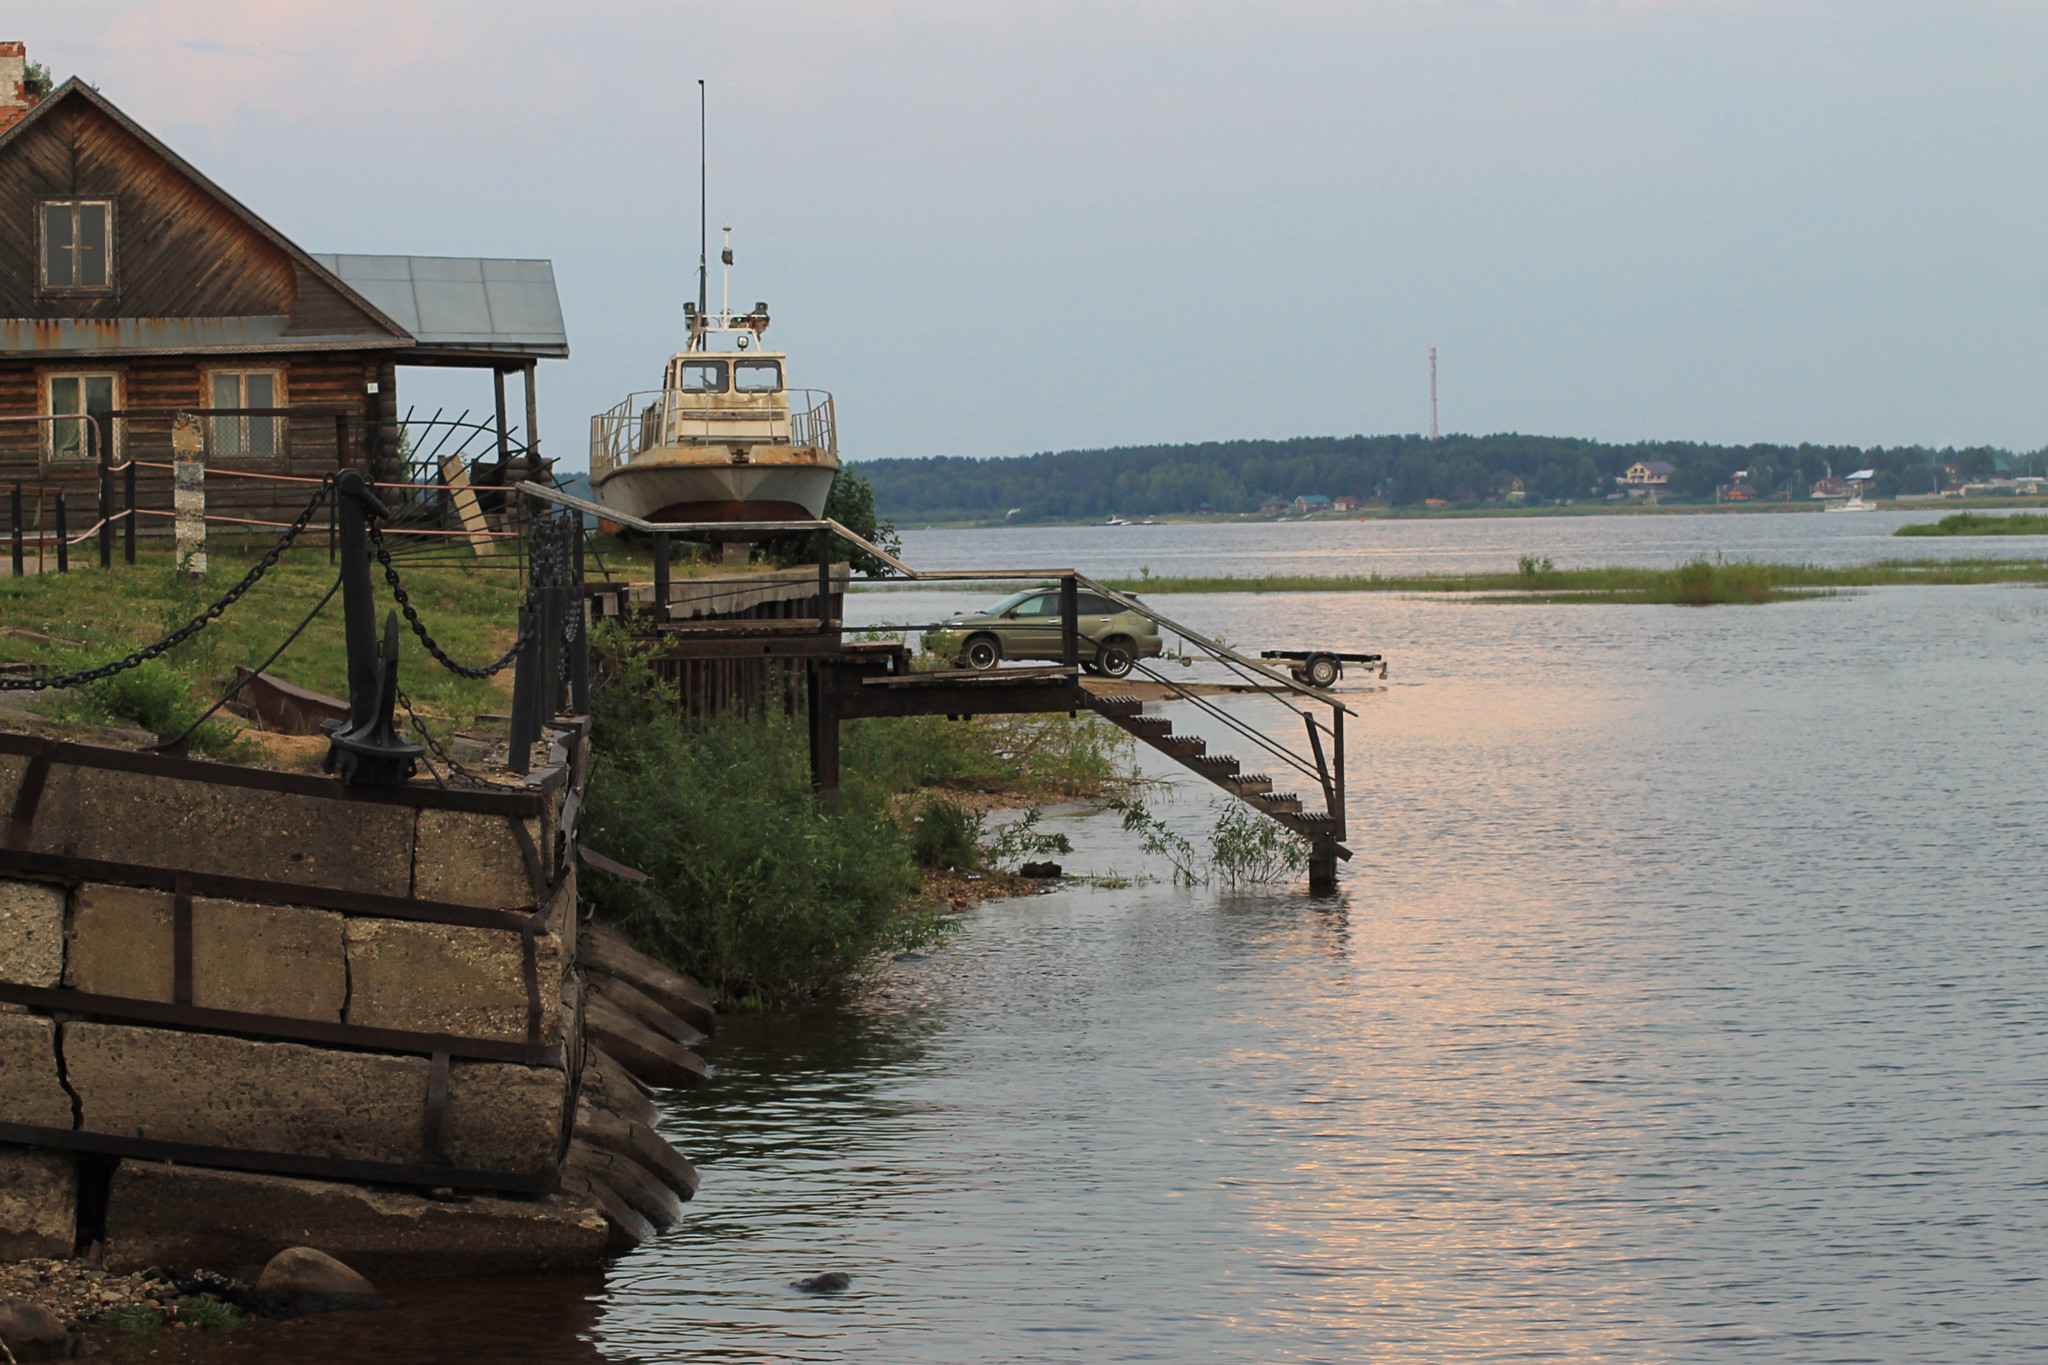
{"points": [[1089, 666], [983, 652], [1114, 657], [1322, 670]]}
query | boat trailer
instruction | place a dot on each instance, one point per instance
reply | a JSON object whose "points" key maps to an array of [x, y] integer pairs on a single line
{"points": [[1321, 667]]}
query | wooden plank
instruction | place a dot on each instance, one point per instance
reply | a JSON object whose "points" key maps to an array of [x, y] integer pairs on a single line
{"points": [[455, 474]]}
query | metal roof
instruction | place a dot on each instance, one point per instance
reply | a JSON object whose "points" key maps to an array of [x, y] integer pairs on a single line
{"points": [[462, 303]]}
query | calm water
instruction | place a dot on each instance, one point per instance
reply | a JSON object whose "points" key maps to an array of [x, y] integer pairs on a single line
{"points": [[1687, 1000], [1435, 545]]}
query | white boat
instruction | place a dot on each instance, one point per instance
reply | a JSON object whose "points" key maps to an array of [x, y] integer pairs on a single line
{"points": [[724, 439], [1853, 503]]}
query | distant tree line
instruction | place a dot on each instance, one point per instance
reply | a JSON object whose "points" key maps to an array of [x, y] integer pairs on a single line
{"points": [[1402, 471]]}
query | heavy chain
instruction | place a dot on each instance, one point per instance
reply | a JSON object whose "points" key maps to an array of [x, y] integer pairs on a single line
{"points": [[545, 566], [192, 627], [435, 747]]}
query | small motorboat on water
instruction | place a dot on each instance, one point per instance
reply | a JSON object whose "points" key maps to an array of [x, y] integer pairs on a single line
{"points": [[723, 439], [1853, 503]]}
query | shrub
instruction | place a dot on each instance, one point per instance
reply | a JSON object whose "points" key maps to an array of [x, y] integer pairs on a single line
{"points": [[208, 1315], [946, 834], [764, 897]]}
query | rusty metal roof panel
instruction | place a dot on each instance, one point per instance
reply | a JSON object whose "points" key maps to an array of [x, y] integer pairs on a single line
{"points": [[146, 336], [463, 303]]}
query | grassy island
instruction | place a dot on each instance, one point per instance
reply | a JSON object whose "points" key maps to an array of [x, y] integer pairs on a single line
{"points": [[1981, 524]]}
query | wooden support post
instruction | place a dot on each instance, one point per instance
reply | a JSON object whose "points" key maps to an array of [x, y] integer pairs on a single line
{"points": [[533, 465], [14, 507], [661, 578], [63, 536], [824, 582], [128, 522], [1070, 622], [824, 717], [504, 441], [1322, 865], [106, 500]]}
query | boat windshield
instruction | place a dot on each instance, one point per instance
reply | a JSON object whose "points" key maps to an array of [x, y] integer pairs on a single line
{"points": [[757, 376], [701, 376]]}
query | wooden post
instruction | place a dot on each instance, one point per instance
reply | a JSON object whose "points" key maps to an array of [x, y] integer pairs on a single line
{"points": [[1070, 622], [533, 466], [1322, 864], [661, 578], [504, 439], [824, 582], [188, 494], [106, 500], [824, 717], [128, 522]]}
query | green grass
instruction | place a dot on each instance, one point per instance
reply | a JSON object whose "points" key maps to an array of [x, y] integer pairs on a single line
{"points": [[1981, 524], [1696, 582], [92, 616]]}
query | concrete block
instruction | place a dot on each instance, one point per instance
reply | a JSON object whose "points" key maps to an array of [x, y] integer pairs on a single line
{"points": [[189, 1216], [261, 959], [448, 978], [470, 859], [232, 1092], [503, 1117], [38, 1204], [30, 1091], [231, 831], [31, 933]]}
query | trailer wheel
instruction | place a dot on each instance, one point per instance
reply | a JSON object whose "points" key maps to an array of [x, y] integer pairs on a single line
{"points": [[983, 652], [1322, 670]]}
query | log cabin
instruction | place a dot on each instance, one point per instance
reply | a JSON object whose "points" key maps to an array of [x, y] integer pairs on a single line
{"points": [[133, 289]]}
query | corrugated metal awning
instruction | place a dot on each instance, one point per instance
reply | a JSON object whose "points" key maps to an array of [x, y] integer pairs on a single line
{"points": [[463, 304]]}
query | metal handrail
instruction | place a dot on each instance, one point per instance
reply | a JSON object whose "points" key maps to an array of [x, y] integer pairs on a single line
{"points": [[643, 420]]}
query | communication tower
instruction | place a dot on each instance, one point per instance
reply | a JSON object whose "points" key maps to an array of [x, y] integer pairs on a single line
{"points": [[1434, 434]]}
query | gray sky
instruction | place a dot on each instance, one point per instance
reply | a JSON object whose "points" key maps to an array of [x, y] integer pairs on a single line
{"points": [[994, 228]]}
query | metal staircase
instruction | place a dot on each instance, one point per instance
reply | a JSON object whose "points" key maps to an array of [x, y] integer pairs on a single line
{"points": [[1324, 829]]}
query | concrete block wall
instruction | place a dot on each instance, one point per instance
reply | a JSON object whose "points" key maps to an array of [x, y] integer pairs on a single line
{"points": [[104, 932]]}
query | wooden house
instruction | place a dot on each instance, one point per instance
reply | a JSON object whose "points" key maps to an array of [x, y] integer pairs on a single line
{"points": [[132, 289]]}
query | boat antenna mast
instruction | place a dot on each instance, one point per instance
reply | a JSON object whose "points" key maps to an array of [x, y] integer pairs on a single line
{"points": [[697, 337]]}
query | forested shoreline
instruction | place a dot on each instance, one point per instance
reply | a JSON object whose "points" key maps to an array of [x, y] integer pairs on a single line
{"points": [[1225, 477]]}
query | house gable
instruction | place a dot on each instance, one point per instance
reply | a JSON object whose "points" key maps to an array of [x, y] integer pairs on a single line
{"points": [[182, 249]]}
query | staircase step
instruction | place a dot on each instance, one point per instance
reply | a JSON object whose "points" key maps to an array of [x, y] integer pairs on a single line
{"points": [[1148, 727], [1183, 746], [1217, 767], [1248, 784], [1275, 802], [1313, 823], [1118, 706]]}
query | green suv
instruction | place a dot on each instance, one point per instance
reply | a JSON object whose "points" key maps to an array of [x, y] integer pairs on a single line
{"points": [[1026, 625]]}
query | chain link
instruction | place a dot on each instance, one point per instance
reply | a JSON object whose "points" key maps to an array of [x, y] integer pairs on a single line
{"points": [[190, 628], [546, 564]]}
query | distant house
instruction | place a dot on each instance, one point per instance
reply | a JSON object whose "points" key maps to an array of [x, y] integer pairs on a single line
{"points": [[1309, 503], [1436, 502], [1272, 509], [1346, 504], [1739, 492], [1832, 488], [1646, 479]]}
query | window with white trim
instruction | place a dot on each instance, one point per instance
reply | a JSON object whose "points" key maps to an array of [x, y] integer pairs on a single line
{"points": [[80, 396], [78, 246], [245, 437]]}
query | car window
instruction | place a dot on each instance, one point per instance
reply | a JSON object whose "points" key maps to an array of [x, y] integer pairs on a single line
{"points": [[1045, 604], [1094, 604]]}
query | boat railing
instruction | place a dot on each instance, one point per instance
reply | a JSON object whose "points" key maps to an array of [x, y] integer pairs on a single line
{"points": [[661, 416]]}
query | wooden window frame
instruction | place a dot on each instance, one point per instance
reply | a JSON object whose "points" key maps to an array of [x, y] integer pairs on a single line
{"points": [[48, 404], [44, 288], [279, 374]]}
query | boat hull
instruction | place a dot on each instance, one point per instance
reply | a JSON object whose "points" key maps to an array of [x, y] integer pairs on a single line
{"points": [[666, 485]]}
